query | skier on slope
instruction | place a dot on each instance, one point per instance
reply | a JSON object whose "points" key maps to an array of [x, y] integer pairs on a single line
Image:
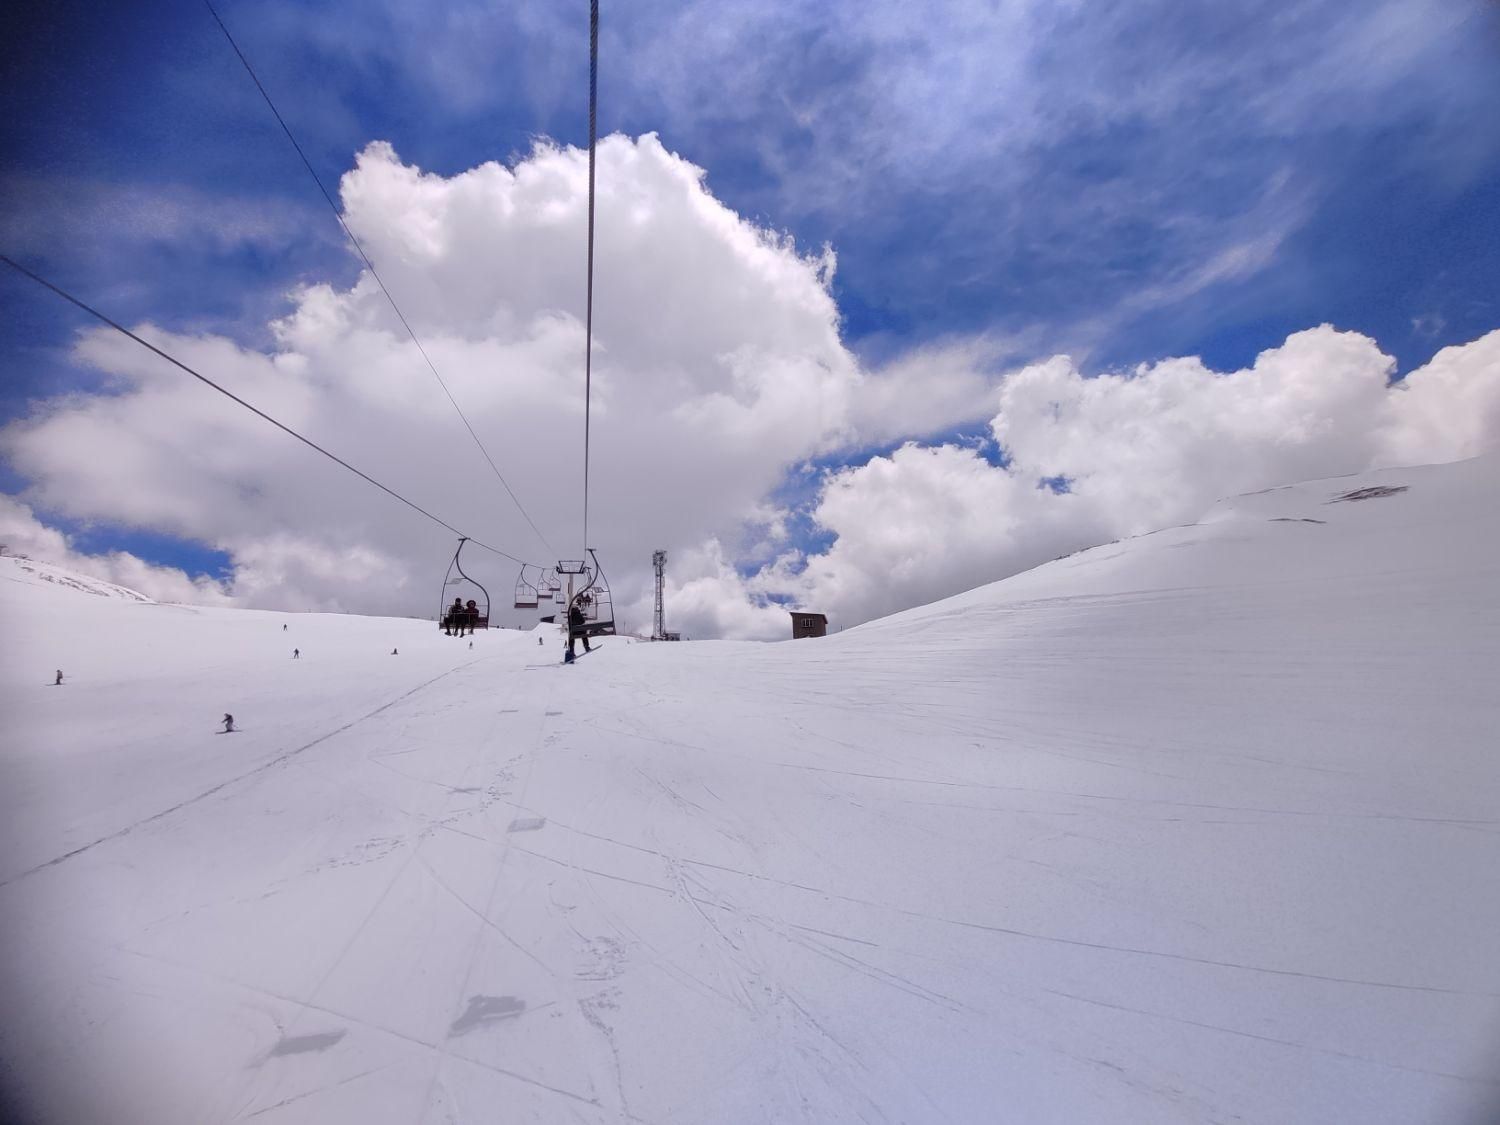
{"points": [[228, 723], [577, 627]]}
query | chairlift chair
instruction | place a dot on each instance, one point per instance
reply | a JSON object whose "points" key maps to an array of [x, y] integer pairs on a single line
{"points": [[526, 592], [593, 596], [456, 579]]}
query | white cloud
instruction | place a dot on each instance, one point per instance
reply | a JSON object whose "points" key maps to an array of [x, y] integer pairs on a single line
{"points": [[1153, 444], [718, 363], [40, 213], [709, 598], [928, 388], [1139, 450], [719, 375], [21, 533], [1448, 409]]}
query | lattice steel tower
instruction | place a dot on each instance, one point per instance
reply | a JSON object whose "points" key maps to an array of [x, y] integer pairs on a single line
{"points": [[659, 622]]}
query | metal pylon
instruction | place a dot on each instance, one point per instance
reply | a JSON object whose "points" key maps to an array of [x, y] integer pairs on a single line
{"points": [[659, 621]]}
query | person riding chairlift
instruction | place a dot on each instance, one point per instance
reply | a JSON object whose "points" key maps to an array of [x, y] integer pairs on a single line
{"points": [[454, 620]]}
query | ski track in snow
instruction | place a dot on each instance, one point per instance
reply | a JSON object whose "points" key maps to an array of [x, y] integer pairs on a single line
{"points": [[1198, 827], [274, 762]]}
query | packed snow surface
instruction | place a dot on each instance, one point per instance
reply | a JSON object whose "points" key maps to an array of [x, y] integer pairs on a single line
{"points": [[1202, 826]]}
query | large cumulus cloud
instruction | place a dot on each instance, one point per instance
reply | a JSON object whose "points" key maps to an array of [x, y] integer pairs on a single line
{"points": [[718, 362], [719, 377], [1089, 459]]}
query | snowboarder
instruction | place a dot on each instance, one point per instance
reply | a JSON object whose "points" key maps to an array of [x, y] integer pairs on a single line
{"points": [[296, 654], [577, 629], [58, 682], [228, 723]]}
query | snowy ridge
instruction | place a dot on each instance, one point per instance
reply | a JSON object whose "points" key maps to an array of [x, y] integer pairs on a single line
{"points": [[1197, 826], [31, 572], [1430, 518]]}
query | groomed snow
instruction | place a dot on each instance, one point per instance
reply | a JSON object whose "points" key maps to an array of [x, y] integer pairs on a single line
{"points": [[1202, 826]]}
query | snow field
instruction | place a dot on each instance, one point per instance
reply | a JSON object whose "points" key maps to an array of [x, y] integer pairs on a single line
{"points": [[1200, 826]]}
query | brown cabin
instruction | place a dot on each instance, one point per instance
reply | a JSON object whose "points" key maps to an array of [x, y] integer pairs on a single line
{"points": [[809, 625]]}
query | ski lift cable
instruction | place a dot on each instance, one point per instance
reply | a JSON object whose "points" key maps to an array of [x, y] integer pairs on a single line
{"points": [[588, 354], [376, 275], [120, 328]]}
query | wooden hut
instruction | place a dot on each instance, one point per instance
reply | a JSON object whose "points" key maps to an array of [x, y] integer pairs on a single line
{"points": [[809, 625]]}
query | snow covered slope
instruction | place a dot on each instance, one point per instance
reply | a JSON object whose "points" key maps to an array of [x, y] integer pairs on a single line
{"points": [[34, 572], [1200, 826]]}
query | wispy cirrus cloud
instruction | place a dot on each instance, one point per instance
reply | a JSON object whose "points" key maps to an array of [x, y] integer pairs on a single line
{"points": [[1019, 167], [1005, 164], [40, 214]]}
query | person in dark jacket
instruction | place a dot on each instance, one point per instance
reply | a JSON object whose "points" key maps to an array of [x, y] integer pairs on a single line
{"points": [[577, 628]]}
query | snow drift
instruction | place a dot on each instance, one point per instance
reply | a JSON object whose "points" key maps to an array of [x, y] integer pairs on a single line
{"points": [[1198, 826]]}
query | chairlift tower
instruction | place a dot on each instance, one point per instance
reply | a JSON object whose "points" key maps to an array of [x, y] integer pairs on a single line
{"points": [[659, 622]]}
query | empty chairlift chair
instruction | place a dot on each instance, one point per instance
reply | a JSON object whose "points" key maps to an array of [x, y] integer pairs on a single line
{"points": [[526, 591]]}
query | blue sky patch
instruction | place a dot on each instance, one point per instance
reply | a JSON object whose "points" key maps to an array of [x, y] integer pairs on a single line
{"points": [[196, 559]]}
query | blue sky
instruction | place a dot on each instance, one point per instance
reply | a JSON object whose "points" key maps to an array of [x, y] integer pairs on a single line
{"points": [[1123, 182]]}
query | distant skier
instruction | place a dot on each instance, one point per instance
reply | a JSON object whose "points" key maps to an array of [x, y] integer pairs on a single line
{"points": [[471, 644], [228, 723], [539, 640], [393, 652], [58, 682], [296, 654], [577, 629], [283, 628]]}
